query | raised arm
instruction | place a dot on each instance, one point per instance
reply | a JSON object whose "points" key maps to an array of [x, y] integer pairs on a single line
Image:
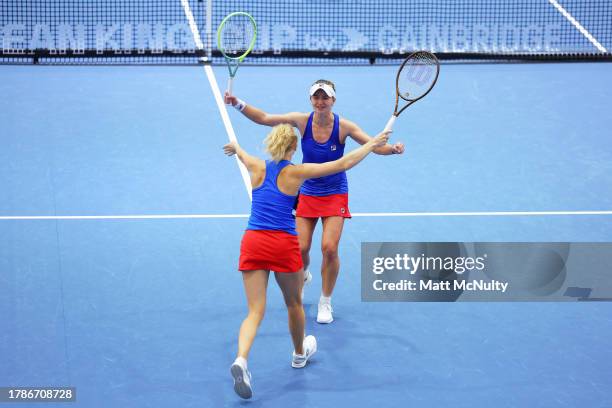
{"points": [[348, 161], [252, 163], [361, 137], [263, 118]]}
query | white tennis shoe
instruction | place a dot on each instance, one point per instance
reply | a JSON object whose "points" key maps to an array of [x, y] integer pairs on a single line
{"points": [[324, 314], [310, 347], [242, 379]]}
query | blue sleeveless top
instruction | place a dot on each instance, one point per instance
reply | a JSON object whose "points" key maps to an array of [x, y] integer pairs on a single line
{"points": [[315, 152], [271, 209]]}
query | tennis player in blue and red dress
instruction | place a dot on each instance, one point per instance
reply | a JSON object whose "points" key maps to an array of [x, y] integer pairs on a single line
{"points": [[270, 241], [324, 135]]}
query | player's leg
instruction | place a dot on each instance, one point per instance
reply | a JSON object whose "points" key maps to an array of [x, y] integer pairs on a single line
{"points": [[291, 286], [255, 286], [332, 231], [330, 266], [304, 346], [305, 228]]}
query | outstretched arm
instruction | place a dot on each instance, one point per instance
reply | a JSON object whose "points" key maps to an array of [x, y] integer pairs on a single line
{"points": [[260, 117], [312, 170], [362, 137], [250, 162]]}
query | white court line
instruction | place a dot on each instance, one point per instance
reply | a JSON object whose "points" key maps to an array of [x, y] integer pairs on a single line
{"points": [[217, 94], [192, 25], [482, 214], [122, 217], [228, 125], [579, 26], [221, 216]]}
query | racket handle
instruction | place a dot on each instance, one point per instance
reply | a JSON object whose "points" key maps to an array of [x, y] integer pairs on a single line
{"points": [[389, 125], [230, 85]]}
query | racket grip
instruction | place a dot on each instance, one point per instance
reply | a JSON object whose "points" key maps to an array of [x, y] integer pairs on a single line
{"points": [[389, 125], [230, 85]]}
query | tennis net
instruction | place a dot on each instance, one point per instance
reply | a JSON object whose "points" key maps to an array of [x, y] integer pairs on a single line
{"points": [[304, 31]]}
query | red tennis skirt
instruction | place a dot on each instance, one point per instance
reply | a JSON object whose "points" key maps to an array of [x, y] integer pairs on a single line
{"points": [[326, 206], [276, 251]]}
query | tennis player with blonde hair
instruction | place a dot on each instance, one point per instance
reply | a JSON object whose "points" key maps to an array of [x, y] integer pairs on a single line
{"points": [[324, 134], [270, 241]]}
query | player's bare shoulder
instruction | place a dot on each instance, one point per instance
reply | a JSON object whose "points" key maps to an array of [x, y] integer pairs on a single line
{"points": [[347, 127], [300, 119]]}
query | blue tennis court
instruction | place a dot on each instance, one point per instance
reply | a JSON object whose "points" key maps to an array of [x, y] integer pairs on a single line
{"points": [[121, 220]]}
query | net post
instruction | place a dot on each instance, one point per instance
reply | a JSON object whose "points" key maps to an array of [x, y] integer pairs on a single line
{"points": [[209, 33]]}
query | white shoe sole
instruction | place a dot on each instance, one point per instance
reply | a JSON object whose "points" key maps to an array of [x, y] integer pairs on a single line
{"points": [[298, 365], [325, 321], [242, 388], [322, 320], [303, 364]]}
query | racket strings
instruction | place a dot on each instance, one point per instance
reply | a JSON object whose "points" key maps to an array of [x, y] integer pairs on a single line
{"points": [[236, 36], [417, 76]]}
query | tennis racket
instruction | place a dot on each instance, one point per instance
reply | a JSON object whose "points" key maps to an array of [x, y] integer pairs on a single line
{"points": [[236, 39], [415, 78]]}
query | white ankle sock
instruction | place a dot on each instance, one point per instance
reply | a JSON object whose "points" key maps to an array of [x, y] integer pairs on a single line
{"points": [[241, 361], [325, 299]]}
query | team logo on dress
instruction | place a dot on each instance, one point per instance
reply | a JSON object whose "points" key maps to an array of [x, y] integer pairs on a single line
{"points": [[333, 148]]}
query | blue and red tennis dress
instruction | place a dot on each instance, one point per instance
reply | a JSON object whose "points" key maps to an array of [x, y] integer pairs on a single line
{"points": [[270, 240], [324, 196]]}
